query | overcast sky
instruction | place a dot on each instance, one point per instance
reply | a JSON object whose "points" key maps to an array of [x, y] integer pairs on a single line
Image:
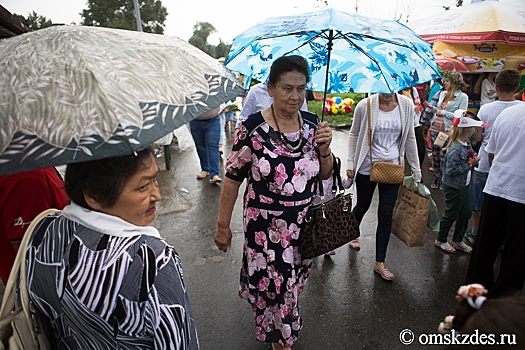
{"points": [[232, 17]]}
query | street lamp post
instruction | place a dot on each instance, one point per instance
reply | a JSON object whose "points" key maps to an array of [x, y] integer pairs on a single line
{"points": [[214, 40], [137, 15]]}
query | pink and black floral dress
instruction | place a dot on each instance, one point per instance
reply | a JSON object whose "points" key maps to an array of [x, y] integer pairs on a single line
{"points": [[278, 192]]}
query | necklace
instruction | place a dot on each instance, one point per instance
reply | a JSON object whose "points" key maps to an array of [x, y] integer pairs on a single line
{"points": [[283, 139]]}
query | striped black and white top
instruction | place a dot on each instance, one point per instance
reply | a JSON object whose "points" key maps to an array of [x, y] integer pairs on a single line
{"points": [[107, 284]]}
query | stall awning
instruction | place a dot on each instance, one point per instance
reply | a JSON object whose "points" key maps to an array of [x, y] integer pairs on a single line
{"points": [[486, 21]]}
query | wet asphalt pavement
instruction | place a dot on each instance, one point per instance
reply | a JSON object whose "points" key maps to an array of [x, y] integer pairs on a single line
{"points": [[345, 305]]}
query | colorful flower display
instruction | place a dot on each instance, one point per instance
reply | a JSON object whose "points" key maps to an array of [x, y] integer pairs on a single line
{"points": [[337, 105]]}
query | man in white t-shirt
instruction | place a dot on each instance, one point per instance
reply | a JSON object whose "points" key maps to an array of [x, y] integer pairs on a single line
{"points": [[258, 99], [503, 213], [488, 89], [507, 82]]}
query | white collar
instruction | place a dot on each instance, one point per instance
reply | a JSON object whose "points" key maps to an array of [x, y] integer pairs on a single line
{"points": [[107, 224]]}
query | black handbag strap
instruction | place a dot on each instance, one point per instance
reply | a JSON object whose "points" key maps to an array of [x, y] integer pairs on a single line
{"points": [[318, 182], [336, 177], [337, 182]]}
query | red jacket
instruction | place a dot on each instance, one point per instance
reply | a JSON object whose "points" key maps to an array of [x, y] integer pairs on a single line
{"points": [[22, 197]]}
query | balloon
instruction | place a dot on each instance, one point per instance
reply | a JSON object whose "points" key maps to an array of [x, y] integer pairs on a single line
{"points": [[348, 108], [338, 100], [330, 101], [346, 101], [335, 110]]}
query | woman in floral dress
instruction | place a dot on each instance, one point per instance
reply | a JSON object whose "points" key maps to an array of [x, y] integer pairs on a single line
{"points": [[275, 150]]}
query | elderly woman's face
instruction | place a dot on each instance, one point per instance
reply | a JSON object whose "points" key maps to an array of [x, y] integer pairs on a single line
{"points": [[136, 203], [289, 91]]}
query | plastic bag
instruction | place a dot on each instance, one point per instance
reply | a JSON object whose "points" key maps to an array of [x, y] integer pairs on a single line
{"points": [[184, 138]]}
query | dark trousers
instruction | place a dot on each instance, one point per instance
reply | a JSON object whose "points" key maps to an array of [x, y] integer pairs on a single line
{"points": [[420, 142], [438, 158], [457, 208], [501, 220], [387, 200]]}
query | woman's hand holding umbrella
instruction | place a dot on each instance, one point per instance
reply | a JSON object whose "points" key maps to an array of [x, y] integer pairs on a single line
{"points": [[323, 138]]}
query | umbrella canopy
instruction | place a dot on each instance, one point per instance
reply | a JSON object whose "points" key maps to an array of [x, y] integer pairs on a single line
{"points": [[346, 52], [492, 21], [486, 36], [73, 93]]}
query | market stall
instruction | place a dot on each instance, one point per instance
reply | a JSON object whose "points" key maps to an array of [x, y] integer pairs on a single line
{"points": [[485, 36]]}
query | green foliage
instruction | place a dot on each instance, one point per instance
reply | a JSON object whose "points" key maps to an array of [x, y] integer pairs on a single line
{"points": [[232, 108], [199, 39], [34, 21], [121, 14], [222, 49], [335, 119]]}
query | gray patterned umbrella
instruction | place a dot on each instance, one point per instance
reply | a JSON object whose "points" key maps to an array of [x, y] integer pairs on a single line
{"points": [[73, 93]]}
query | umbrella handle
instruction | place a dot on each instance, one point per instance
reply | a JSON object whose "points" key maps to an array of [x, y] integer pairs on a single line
{"points": [[329, 48]]}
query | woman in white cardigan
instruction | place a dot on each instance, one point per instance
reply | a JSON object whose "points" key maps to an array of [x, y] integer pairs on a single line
{"points": [[392, 121]]}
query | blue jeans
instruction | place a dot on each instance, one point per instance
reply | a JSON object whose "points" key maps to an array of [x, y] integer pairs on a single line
{"points": [[387, 200], [476, 190], [206, 135], [221, 139]]}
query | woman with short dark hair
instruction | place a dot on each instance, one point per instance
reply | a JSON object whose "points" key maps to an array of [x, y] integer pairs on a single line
{"points": [[99, 273], [279, 151]]}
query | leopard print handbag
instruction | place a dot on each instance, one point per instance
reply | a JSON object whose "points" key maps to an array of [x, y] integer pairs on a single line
{"points": [[331, 224]]}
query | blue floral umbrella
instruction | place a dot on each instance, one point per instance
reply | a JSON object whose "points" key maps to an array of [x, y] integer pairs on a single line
{"points": [[346, 52], [72, 93]]}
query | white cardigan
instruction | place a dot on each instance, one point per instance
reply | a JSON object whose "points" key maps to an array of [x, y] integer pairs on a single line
{"points": [[358, 148]]}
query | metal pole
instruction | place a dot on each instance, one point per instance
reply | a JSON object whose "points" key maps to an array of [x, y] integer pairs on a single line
{"points": [[329, 48], [137, 15]]}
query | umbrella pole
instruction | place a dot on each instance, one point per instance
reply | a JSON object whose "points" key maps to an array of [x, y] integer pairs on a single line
{"points": [[329, 48]]}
